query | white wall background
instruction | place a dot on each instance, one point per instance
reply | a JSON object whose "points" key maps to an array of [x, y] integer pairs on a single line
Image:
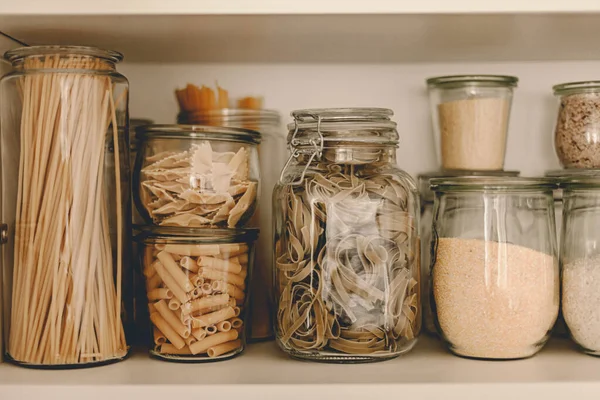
{"points": [[400, 87]]}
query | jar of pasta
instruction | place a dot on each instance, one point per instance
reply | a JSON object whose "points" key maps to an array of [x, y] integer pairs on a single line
{"points": [[346, 240], [196, 290], [272, 156], [194, 176]]}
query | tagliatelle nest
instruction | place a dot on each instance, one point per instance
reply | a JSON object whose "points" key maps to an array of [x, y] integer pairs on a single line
{"points": [[347, 262], [199, 187]]}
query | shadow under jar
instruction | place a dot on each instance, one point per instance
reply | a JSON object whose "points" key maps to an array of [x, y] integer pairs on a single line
{"points": [[577, 130], [196, 176], [346, 240], [580, 261], [66, 201], [495, 267], [197, 291]]}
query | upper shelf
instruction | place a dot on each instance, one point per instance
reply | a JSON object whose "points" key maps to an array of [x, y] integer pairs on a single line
{"points": [[242, 7], [315, 31]]}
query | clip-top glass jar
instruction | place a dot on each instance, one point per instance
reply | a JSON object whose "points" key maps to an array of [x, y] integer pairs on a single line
{"points": [[346, 240], [470, 115], [580, 260], [272, 156], [66, 201], [495, 267]]}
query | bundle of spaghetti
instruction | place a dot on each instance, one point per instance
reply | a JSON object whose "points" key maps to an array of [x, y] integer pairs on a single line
{"points": [[193, 99], [66, 298]]}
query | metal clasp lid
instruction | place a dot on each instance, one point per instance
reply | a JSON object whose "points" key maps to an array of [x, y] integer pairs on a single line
{"points": [[317, 150], [3, 233]]}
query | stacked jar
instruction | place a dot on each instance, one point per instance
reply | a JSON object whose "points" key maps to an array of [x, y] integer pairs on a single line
{"points": [[196, 188], [577, 145], [470, 118], [272, 157], [346, 240]]}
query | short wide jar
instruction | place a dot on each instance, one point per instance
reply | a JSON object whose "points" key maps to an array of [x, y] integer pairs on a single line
{"points": [[495, 267], [580, 261], [470, 115], [197, 290], [194, 176], [346, 240], [577, 130]]}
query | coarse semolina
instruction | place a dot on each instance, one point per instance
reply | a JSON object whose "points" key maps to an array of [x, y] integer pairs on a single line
{"points": [[494, 300]]}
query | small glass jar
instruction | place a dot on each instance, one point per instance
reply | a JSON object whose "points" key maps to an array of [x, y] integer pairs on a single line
{"points": [[426, 197], [196, 176], [580, 261], [346, 240], [272, 155], [197, 291], [495, 266], [470, 115], [66, 206], [577, 129]]}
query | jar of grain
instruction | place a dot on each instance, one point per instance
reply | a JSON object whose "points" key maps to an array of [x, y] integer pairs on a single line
{"points": [[580, 261], [495, 267], [426, 197], [196, 290], [577, 130], [346, 240], [470, 115]]}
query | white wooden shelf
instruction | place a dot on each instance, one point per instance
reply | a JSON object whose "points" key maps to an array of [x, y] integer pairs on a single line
{"points": [[428, 372]]}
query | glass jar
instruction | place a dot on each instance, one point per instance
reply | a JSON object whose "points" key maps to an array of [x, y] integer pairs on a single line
{"points": [[580, 261], [495, 267], [66, 203], [426, 197], [346, 240], [577, 129], [196, 176], [197, 291], [470, 115], [272, 155]]}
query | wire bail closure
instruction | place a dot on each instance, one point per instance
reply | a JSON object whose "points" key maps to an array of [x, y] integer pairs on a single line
{"points": [[317, 150]]}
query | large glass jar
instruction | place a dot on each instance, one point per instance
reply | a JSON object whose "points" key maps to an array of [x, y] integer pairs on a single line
{"points": [[272, 155], [66, 202], [426, 197], [346, 240], [197, 291], [470, 115], [577, 129], [495, 266], [195, 176], [580, 261]]}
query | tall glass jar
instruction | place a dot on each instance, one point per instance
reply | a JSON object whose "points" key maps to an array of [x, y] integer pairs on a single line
{"points": [[426, 197], [580, 261], [346, 240], [577, 129], [272, 155], [66, 203], [470, 115], [495, 265]]}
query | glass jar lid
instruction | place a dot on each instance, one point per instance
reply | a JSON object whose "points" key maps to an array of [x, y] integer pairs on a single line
{"points": [[425, 178], [230, 116], [19, 53], [457, 81], [198, 132], [152, 234], [364, 125], [576, 87], [491, 183], [591, 181]]}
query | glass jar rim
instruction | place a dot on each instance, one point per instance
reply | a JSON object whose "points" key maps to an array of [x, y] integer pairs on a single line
{"points": [[424, 179], [341, 125], [490, 183], [207, 132], [580, 182], [44, 50], [455, 81], [576, 87], [150, 234], [235, 114]]}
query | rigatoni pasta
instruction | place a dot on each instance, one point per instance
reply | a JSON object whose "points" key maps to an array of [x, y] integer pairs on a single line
{"points": [[193, 311]]}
